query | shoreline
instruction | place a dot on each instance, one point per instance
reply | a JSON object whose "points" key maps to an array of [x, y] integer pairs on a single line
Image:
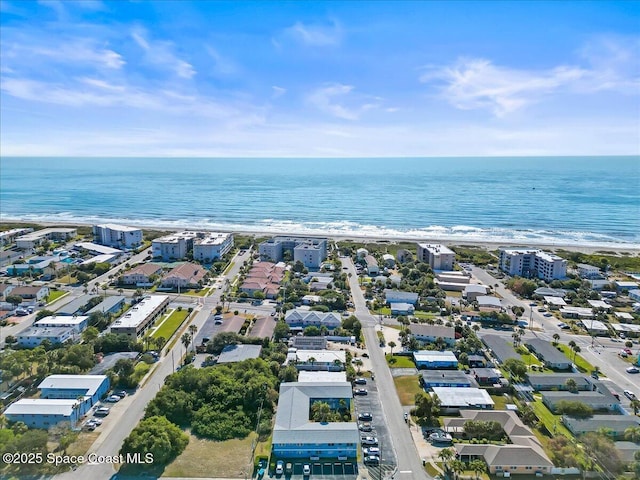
{"points": [[621, 249]]}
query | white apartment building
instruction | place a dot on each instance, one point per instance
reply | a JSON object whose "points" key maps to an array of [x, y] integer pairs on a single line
{"points": [[587, 271], [117, 236], [212, 246], [310, 251], [174, 246], [141, 316], [437, 256], [528, 263], [32, 239]]}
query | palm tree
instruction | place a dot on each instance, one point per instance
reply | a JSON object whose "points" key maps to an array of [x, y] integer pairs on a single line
{"points": [[475, 327], [446, 455], [571, 385], [632, 434], [192, 330], [635, 404], [391, 344], [160, 341], [572, 344], [556, 337], [576, 350], [457, 467], [186, 340], [478, 466]]}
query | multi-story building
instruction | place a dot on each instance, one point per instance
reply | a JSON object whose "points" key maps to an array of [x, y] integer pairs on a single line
{"points": [[212, 246], [174, 246], [117, 236], [141, 316], [77, 322], [34, 336], [437, 256], [30, 240], [310, 251], [44, 413], [529, 263], [8, 236], [303, 318]]}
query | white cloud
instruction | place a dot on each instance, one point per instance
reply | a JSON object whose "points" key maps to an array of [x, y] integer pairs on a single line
{"points": [[333, 99], [277, 91], [160, 53], [478, 83], [315, 35]]}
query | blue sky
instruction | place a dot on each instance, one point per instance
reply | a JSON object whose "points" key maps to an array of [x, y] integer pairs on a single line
{"points": [[319, 78]]}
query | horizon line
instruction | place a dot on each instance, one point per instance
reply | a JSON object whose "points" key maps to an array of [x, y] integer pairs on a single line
{"points": [[324, 157]]}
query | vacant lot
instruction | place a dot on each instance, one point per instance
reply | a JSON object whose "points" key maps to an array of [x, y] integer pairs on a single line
{"points": [[407, 387], [170, 324], [203, 458]]}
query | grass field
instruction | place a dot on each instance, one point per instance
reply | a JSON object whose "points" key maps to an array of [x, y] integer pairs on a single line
{"points": [[202, 458], [67, 280], [396, 361], [500, 402], [407, 387], [581, 363], [551, 422], [55, 295], [82, 443], [170, 324]]}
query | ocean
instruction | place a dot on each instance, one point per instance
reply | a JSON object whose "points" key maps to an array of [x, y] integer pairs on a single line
{"points": [[589, 201]]}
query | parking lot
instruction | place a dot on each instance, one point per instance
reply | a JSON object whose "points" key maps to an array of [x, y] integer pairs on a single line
{"points": [[371, 403], [323, 470]]}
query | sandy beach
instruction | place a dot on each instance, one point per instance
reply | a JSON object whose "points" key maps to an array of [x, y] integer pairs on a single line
{"points": [[485, 244]]}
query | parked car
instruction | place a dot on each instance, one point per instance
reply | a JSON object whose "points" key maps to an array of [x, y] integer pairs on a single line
{"points": [[623, 354], [372, 460], [360, 391], [360, 381], [365, 417], [288, 469], [279, 467], [102, 412], [633, 370], [370, 441], [365, 427], [120, 393], [628, 350], [306, 470], [365, 355], [367, 452], [112, 399], [629, 394]]}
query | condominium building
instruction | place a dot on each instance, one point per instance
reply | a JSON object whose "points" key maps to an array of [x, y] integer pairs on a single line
{"points": [[529, 263], [310, 251], [32, 239], [117, 236], [141, 316], [174, 246], [212, 246], [186, 275], [8, 236], [437, 256]]}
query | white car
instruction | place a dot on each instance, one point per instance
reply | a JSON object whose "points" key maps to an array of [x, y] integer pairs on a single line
{"points": [[633, 370], [629, 394], [306, 470], [279, 467]]}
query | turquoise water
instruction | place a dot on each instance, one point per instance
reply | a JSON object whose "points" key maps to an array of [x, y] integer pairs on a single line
{"points": [[586, 201]]}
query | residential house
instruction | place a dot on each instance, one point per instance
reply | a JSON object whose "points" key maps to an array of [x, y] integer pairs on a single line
{"points": [[487, 376], [186, 275], [598, 400], [397, 296], [431, 359], [548, 354], [501, 349], [445, 378], [141, 275], [455, 399], [558, 381], [31, 295], [300, 319], [389, 260], [430, 333], [472, 292], [372, 265], [402, 309]]}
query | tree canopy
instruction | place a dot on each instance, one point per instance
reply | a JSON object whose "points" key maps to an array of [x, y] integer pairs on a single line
{"points": [[158, 436]]}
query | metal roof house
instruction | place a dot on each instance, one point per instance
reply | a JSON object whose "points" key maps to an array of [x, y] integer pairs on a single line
{"points": [[616, 424], [500, 348], [43, 413], [547, 353], [295, 435], [432, 359]]}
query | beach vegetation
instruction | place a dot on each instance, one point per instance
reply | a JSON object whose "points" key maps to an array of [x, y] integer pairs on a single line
{"points": [[476, 255], [522, 286], [158, 436]]}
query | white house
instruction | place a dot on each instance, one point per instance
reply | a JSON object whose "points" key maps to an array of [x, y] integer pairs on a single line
{"points": [[397, 296], [430, 333], [372, 265], [303, 318]]}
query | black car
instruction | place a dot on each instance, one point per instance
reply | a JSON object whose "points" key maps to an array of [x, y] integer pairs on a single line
{"points": [[360, 381], [365, 417]]}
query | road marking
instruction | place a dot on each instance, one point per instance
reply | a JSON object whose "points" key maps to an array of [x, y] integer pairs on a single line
{"points": [[406, 471]]}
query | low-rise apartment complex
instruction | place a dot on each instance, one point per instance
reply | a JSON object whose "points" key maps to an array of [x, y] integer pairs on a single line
{"points": [[30, 240], [141, 316]]}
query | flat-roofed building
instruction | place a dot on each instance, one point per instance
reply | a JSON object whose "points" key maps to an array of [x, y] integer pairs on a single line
{"points": [[625, 285], [212, 246], [296, 435], [308, 343], [44, 413], [432, 359], [78, 322], [96, 249], [329, 360], [548, 354], [30, 240], [87, 389], [430, 333], [555, 303], [117, 236], [527, 262], [8, 236], [34, 336], [472, 292], [595, 327], [186, 275], [453, 399], [576, 312], [487, 301], [238, 353], [445, 378], [307, 376], [587, 271], [437, 256], [174, 246], [400, 308], [308, 250], [599, 304], [141, 316]]}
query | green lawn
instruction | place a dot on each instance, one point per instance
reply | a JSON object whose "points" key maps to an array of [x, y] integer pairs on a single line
{"points": [[407, 387], [552, 422], [581, 363], [500, 402], [170, 324], [397, 361], [55, 295]]}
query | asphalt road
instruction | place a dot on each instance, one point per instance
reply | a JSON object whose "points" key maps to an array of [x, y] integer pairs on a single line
{"points": [[126, 414], [407, 457]]}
